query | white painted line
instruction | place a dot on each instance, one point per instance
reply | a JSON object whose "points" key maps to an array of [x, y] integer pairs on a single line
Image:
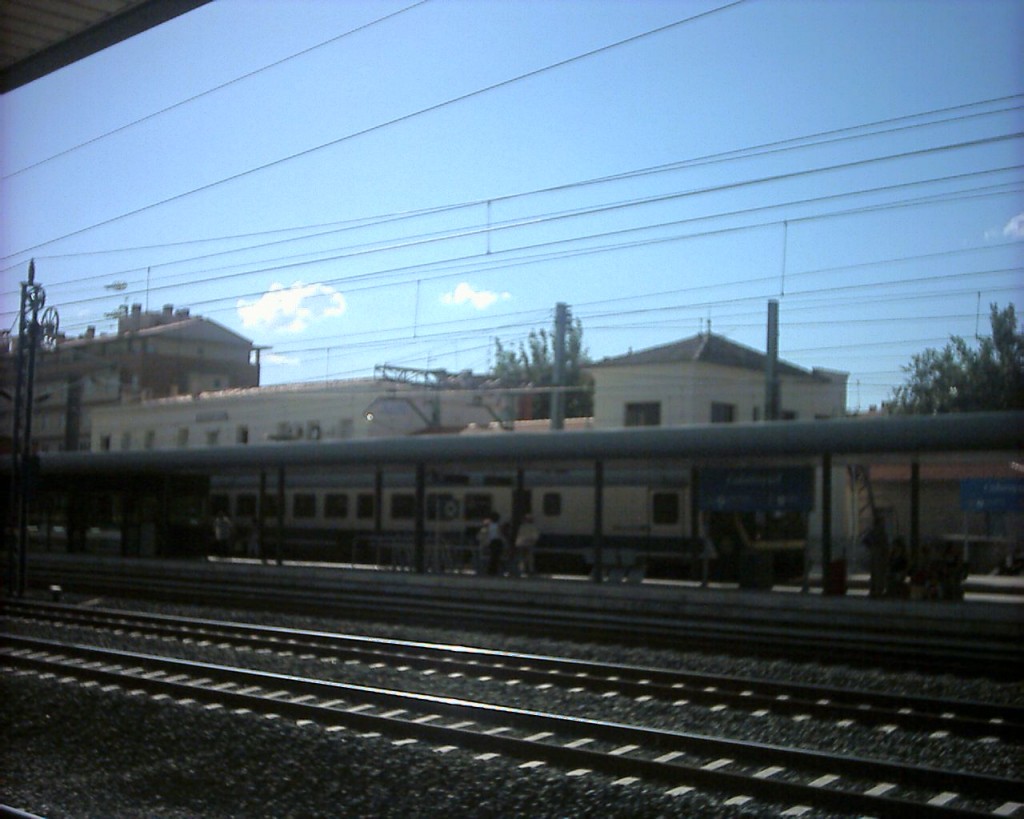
{"points": [[718, 763], [797, 810], [671, 755], [622, 750], [535, 763], [1007, 809], [538, 737], [427, 718], [626, 780], [579, 743], [738, 800], [579, 772], [943, 798], [768, 773], [487, 757], [391, 714], [401, 742], [824, 781], [358, 709]]}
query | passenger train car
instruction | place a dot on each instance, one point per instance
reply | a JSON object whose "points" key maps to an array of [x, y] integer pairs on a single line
{"points": [[646, 520]]}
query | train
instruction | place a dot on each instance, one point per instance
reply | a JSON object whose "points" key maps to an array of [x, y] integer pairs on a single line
{"points": [[647, 521]]}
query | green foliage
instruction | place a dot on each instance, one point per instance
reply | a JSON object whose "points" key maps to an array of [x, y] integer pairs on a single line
{"points": [[532, 364], [962, 378]]}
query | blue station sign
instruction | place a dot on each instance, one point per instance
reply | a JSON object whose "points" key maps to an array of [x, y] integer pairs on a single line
{"points": [[992, 494], [788, 489]]}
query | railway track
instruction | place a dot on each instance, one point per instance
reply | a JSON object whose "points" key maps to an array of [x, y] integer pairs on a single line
{"points": [[784, 777], [800, 700]]}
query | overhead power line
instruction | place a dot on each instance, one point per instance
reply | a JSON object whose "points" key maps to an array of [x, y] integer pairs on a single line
{"points": [[394, 121]]}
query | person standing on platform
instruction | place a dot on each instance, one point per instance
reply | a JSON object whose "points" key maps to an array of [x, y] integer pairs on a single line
{"points": [[526, 540], [222, 530]]}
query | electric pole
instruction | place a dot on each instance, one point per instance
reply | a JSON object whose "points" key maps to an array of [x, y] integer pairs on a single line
{"points": [[31, 331]]}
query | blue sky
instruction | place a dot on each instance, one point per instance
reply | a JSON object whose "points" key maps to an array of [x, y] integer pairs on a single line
{"points": [[361, 183]]}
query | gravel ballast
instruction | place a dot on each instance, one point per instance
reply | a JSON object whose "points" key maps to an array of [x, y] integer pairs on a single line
{"points": [[71, 751]]}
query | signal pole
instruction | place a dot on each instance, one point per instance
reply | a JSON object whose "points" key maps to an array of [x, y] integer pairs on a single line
{"points": [[558, 394]]}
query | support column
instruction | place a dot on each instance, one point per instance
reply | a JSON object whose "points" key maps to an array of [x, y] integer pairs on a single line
{"points": [[826, 530], [280, 515], [420, 536], [598, 521]]}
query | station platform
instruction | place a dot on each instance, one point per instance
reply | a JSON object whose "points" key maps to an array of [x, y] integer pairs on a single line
{"points": [[992, 609]]}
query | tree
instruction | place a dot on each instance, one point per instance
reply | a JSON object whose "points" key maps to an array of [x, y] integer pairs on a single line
{"points": [[961, 378], [533, 365]]}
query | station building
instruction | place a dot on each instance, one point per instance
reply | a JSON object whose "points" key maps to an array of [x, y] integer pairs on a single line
{"points": [[152, 355], [707, 379]]}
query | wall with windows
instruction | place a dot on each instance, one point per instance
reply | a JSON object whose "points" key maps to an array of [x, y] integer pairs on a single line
{"points": [[701, 393], [355, 409]]}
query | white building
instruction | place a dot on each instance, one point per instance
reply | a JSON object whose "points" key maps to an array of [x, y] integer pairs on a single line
{"points": [[293, 412], [707, 379]]}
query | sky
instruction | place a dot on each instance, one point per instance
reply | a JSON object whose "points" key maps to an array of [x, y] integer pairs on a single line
{"points": [[352, 184]]}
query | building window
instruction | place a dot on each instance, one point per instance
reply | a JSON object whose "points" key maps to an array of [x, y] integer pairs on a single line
{"points": [[183, 436], [336, 505], [646, 414], [242, 435], [722, 413], [304, 505], [212, 437], [105, 443], [552, 504]]}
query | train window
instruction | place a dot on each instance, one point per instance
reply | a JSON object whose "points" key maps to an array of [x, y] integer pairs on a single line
{"points": [[364, 506], [269, 506], [403, 506], [552, 504], [477, 505], [442, 507], [335, 505], [304, 505], [219, 504], [245, 505], [665, 508]]}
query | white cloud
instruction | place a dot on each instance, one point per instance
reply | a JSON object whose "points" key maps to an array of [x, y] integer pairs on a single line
{"points": [[291, 309], [1014, 229], [481, 299]]}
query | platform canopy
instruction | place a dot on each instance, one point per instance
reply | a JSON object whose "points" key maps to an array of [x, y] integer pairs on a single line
{"points": [[41, 36]]}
